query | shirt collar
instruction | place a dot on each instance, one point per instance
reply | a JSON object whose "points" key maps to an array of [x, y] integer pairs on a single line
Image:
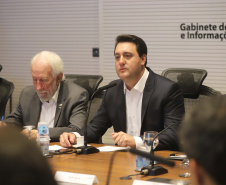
{"points": [[140, 84], [55, 96]]}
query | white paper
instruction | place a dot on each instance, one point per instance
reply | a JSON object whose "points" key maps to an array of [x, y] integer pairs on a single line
{"points": [[111, 148], [77, 145], [141, 182], [55, 147], [75, 178]]}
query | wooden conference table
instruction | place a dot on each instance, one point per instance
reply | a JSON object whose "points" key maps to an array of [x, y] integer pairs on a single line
{"points": [[98, 164]]}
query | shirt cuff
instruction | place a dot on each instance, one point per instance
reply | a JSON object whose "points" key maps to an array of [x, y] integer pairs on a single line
{"points": [[76, 134], [138, 141]]}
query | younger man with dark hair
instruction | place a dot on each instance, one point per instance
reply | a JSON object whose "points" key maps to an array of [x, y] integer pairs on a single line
{"points": [[141, 101]]}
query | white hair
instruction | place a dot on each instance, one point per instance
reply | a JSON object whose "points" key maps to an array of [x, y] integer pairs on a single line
{"points": [[54, 61]]}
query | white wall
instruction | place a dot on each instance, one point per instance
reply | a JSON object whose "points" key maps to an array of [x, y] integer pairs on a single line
{"points": [[158, 23], [67, 27], [73, 27]]}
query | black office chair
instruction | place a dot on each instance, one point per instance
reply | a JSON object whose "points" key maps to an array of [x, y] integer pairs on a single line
{"points": [[6, 90], [190, 81], [88, 82]]}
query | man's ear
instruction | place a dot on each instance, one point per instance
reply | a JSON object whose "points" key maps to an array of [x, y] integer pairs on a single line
{"points": [[143, 59], [59, 78]]}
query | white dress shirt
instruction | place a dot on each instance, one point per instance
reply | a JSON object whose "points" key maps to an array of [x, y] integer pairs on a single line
{"points": [[48, 109], [134, 99]]}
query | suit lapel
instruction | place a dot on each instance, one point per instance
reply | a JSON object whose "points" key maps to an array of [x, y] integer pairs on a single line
{"points": [[121, 106], [35, 110], [148, 90], [63, 93]]}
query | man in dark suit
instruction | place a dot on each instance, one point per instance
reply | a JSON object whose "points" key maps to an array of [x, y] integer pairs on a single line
{"points": [[141, 101], [51, 99]]}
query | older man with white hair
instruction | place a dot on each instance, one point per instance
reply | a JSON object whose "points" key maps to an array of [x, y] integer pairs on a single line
{"points": [[51, 99]]}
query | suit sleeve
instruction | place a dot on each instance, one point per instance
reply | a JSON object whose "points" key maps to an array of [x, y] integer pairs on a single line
{"points": [[99, 125], [15, 118], [173, 107]]}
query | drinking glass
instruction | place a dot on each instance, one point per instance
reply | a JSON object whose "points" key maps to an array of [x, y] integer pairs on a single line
{"points": [[148, 139], [29, 127], [184, 168]]}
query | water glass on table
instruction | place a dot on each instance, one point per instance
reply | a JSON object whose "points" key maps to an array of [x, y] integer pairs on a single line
{"points": [[184, 168], [29, 128], [148, 139]]}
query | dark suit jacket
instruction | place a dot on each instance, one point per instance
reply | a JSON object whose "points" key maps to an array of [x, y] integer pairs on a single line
{"points": [[162, 104], [70, 112]]}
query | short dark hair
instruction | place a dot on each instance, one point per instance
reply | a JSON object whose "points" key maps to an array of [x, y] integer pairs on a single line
{"points": [[203, 137], [140, 44]]}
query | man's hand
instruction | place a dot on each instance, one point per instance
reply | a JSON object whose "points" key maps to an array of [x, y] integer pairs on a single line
{"points": [[33, 133], [67, 139], [123, 139], [2, 124], [25, 132]]}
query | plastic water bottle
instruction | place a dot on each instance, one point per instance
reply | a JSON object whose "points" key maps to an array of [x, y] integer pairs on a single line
{"points": [[43, 129], [141, 161], [43, 138]]}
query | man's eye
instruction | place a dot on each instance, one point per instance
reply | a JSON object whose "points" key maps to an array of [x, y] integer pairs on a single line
{"points": [[117, 57], [43, 80], [128, 56]]}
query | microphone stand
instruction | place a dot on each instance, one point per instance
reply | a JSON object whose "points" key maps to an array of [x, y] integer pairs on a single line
{"points": [[152, 169], [87, 149], [90, 149]]}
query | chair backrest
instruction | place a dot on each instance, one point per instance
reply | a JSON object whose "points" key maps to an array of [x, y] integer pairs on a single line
{"points": [[88, 82], [96, 102], [205, 93], [6, 90], [190, 81]]}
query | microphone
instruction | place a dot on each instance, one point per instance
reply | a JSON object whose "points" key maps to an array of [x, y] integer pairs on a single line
{"points": [[152, 150], [151, 157], [164, 130], [102, 89], [90, 149], [153, 170]]}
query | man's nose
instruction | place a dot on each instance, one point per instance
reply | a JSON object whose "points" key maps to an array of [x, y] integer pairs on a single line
{"points": [[38, 86], [122, 60]]}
